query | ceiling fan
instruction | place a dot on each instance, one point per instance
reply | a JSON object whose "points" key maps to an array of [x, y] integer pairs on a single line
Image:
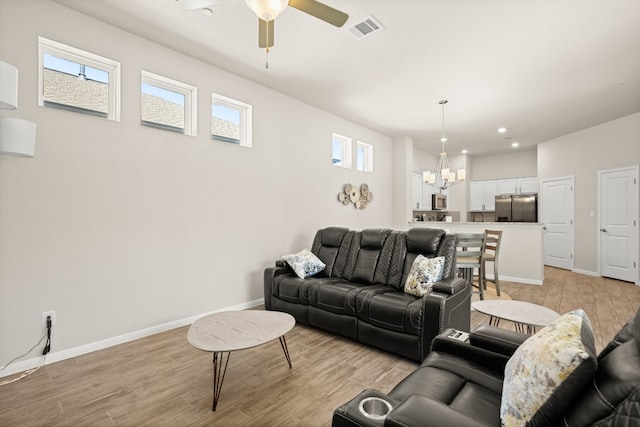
{"points": [[268, 10]]}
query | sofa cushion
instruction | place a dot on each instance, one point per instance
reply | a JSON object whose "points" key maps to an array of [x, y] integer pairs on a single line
{"points": [[462, 384], [420, 241], [326, 245], [617, 378], [291, 288], [423, 274], [335, 295], [366, 257], [386, 308], [304, 263], [548, 371]]}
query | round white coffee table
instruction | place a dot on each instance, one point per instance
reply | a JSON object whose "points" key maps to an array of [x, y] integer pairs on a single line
{"points": [[526, 316], [229, 331]]}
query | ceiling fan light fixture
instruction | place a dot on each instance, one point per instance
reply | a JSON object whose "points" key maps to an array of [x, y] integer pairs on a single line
{"points": [[267, 10]]}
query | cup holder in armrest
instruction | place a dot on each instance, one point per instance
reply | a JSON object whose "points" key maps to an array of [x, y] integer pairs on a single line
{"points": [[375, 408]]}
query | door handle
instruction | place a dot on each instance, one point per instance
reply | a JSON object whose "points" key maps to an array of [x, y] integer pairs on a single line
{"points": [[604, 230], [544, 227]]}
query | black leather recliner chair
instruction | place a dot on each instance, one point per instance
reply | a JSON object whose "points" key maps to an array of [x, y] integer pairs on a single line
{"points": [[461, 384]]}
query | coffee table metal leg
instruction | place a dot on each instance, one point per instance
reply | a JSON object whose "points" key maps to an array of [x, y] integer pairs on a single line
{"points": [[218, 374], [283, 343]]}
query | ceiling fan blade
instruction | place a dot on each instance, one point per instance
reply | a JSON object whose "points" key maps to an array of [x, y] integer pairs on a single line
{"points": [[198, 4], [320, 11], [265, 33]]}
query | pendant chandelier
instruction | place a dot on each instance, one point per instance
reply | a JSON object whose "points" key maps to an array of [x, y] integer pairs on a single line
{"points": [[443, 177]]}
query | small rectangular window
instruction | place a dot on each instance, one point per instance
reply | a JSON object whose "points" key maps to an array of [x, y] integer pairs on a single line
{"points": [[231, 120], [168, 104], [341, 151], [364, 157], [75, 80]]}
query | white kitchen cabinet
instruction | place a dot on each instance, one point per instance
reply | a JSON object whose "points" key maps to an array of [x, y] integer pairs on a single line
{"points": [[518, 185], [528, 185], [482, 195], [507, 186]]}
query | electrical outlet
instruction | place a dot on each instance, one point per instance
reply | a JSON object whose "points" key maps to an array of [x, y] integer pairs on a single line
{"points": [[45, 314]]}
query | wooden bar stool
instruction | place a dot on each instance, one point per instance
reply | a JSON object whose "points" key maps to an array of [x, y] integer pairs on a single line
{"points": [[492, 249], [469, 256]]}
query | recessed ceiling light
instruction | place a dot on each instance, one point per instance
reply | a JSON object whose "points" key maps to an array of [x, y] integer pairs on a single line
{"points": [[502, 130], [206, 11], [465, 151], [515, 144]]}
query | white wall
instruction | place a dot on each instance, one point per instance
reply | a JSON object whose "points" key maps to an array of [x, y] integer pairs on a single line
{"points": [[119, 227], [581, 155], [423, 161], [511, 165], [402, 181]]}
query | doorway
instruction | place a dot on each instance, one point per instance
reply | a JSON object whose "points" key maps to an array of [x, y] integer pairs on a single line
{"points": [[556, 201], [618, 223]]}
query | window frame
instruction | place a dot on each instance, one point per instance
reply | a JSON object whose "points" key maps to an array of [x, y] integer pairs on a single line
{"points": [[189, 92], [79, 56], [367, 163], [246, 119], [347, 148]]}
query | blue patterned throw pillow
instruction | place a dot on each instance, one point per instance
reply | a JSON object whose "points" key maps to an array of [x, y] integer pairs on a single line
{"points": [[423, 274], [304, 263]]}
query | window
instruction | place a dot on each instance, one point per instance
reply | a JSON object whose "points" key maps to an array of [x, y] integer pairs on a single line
{"points": [[230, 120], [75, 80], [341, 151], [168, 104], [364, 157]]}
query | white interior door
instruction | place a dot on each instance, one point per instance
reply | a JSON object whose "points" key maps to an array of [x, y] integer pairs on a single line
{"points": [[556, 202], [618, 223]]}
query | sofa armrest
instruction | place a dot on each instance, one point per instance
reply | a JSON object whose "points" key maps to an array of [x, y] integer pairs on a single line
{"points": [[269, 274], [496, 339], [449, 286], [350, 414], [447, 306], [418, 410], [466, 350]]}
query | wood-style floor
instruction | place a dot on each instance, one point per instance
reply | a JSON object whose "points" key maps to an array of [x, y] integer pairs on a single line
{"points": [[162, 381]]}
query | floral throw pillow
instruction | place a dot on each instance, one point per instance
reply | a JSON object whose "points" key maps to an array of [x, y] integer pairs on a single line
{"points": [[423, 274], [304, 263], [547, 372]]}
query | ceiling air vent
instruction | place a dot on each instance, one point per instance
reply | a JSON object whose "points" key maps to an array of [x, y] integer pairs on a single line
{"points": [[365, 27]]}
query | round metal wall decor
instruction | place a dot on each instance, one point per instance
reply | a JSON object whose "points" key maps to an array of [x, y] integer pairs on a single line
{"points": [[359, 196]]}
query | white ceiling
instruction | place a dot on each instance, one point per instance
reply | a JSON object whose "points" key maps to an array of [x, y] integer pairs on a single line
{"points": [[542, 68]]}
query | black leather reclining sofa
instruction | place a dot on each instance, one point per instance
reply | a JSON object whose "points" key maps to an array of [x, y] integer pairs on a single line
{"points": [[461, 384], [360, 292]]}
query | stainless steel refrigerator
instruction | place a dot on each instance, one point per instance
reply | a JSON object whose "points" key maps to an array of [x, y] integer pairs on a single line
{"points": [[517, 208]]}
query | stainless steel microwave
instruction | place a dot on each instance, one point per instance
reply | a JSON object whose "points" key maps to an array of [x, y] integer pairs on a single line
{"points": [[438, 202]]}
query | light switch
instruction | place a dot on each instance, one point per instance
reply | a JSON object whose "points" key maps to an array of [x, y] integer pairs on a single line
{"points": [[592, 214]]}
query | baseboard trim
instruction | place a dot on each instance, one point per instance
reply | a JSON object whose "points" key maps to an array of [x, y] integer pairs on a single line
{"points": [[57, 356], [586, 272], [517, 280]]}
